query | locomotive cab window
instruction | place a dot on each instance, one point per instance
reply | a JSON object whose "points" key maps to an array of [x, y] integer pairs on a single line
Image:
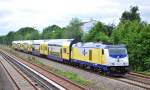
{"points": [[117, 51]]}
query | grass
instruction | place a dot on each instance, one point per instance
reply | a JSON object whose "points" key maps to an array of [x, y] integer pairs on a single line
{"points": [[67, 74], [72, 76], [144, 72], [34, 60]]}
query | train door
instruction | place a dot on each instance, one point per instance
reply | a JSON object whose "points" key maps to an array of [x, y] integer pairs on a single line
{"points": [[95, 55], [100, 56], [65, 52], [46, 49]]}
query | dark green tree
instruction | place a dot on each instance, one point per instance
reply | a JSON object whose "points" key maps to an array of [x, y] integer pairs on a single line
{"points": [[109, 29], [9, 37], [2, 39], [27, 33], [137, 38], [131, 15], [73, 30], [52, 32], [99, 32]]}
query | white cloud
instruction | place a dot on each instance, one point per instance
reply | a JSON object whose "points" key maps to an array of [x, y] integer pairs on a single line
{"points": [[15, 14]]}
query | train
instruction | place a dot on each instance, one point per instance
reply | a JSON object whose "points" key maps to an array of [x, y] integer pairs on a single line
{"points": [[107, 58]]}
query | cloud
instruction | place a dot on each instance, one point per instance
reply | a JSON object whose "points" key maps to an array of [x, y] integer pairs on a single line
{"points": [[4, 13], [15, 14]]}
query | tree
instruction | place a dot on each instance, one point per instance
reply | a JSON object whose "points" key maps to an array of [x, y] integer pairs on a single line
{"points": [[135, 35], [27, 33], [109, 29], [131, 15], [52, 32], [98, 33], [73, 30], [2, 39], [9, 37]]}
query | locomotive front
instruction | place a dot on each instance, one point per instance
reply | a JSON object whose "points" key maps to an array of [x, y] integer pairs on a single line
{"points": [[117, 59]]}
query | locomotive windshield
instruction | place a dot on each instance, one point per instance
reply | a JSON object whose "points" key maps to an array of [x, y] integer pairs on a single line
{"points": [[117, 51]]}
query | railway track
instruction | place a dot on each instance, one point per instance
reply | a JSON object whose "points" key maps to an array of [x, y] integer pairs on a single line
{"points": [[136, 80], [71, 85], [39, 78], [17, 77], [139, 75]]}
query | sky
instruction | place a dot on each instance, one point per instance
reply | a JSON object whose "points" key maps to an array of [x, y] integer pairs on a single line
{"points": [[39, 14]]}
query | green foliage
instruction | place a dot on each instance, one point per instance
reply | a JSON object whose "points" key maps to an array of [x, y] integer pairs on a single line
{"points": [[26, 33], [99, 32], [73, 30], [52, 32], [137, 37], [131, 15], [9, 37], [2, 39]]}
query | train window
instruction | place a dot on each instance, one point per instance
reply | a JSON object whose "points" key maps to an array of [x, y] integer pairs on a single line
{"points": [[90, 55], [64, 50], [102, 51]]}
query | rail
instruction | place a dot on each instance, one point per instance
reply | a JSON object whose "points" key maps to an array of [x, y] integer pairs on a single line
{"points": [[41, 79]]}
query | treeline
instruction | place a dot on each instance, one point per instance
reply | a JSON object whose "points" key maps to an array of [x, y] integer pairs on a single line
{"points": [[131, 31]]}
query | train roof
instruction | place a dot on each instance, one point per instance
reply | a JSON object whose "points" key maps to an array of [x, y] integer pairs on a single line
{"points": [[27, 41], [17, 42], [97, 45], [37, 41], [48, 41], [59, 42], [22, 41], [14, 41]]}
